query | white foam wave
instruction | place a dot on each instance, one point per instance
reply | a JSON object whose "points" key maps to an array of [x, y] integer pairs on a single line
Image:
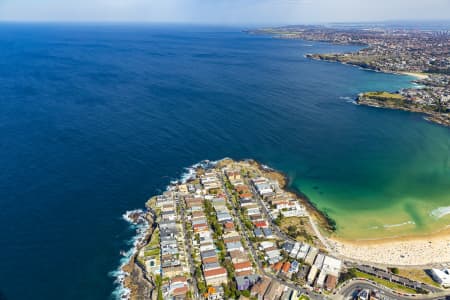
{"points": [[140, 225], [266, 167], [190, 171], [399, 224], [138, 222], [440, 212], [348, 99], [345, 98]]}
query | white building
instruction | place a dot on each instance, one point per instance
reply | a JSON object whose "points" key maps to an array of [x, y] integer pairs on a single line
{"points": [[312, 274], [332, 266], [321, 278], [441, 276], [318, 262], [303, 251]]}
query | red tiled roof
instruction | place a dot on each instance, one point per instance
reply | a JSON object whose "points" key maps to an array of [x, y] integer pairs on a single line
{"points": [[180, 291], [277, 266], [241, 187], [229, 225], [201, 227], [242, 265], [231, 239], [179, 279], [215, 272], [331, 282], [236, 253], [196, 214], [260, 224], [209, 260], [245, 195], [244, 273], [286, 267]]}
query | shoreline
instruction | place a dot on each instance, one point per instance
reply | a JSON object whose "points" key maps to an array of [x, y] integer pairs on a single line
{"points": [[321, 57], [129, 276], [420, 76], [432, 117], [408, 251], [425, 102], [430, 250], [324, 220], [130, 282], [426, 250]]}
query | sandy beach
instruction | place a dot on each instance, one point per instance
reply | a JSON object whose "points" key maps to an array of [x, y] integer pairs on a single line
{"points": [[426, 251], [417, 75]]}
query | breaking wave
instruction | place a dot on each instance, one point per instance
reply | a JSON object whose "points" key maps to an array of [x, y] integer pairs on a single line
{"points": [[399, 224], [140, 225], [440, 212]]}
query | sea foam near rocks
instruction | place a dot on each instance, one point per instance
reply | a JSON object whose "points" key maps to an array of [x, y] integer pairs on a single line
{"points": [[137, 221]]}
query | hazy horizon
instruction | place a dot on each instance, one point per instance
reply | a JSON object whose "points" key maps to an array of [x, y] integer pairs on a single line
{"points": [[226, 12]]}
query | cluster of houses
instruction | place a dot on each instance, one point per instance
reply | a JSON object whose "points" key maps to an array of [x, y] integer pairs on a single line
{"points": [[197, 220], [210, 242], [170, 261], [271, 252], [214, 274], [277, 200], [268, 289], [391, 50], [207, 238], [252, 212], [305, 262], [431, 96], [319, 270]]}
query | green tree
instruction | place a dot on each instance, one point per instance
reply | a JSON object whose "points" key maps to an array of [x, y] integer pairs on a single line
{"points": [[158, 283], [201, 287], [245, 293], [395, 270]]}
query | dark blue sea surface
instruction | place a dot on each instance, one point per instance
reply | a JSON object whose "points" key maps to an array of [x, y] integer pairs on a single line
{"points": [[95, 119]]}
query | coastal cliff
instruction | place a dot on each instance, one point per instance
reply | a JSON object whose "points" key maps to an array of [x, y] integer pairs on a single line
{"points": [[363, 62], [421, 54], [397, 101], [135, 282]]}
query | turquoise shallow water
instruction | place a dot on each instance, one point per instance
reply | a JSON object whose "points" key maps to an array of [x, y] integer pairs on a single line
{"points": [[95, 119], [386, 183]]}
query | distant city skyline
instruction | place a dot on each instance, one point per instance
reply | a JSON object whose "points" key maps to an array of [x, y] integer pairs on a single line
{"points": [[224, 11]]}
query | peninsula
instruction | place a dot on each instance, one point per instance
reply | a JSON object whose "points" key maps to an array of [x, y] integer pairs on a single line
{"points": [[233, 230], [424, 54]]}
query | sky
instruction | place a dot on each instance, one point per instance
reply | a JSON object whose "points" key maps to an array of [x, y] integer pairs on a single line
{"points": [[224, 11]]}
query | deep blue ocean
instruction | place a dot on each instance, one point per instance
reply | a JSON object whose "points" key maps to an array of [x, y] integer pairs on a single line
{"points": [[95, 119]]}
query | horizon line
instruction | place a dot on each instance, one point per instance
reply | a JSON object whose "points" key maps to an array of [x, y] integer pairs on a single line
{"points": [[225, 24]]}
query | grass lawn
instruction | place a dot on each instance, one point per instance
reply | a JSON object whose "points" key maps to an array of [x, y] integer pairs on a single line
{"points": [[384, 96], [152, 252], [154, 241], [300, 223], [392, 285], [418, 275]]}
